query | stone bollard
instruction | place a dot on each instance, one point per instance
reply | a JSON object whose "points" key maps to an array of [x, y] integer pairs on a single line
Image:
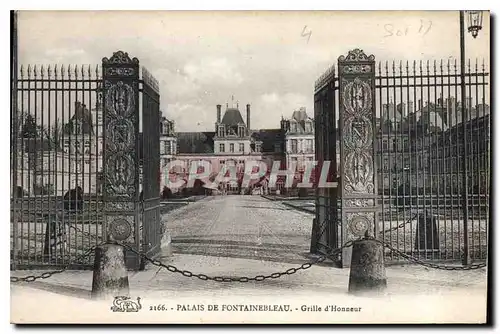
{"points": [[110, 277], [426, 236], [367, 267]]}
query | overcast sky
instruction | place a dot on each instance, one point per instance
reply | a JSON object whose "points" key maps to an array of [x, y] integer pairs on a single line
{"points": [[267, 59]]}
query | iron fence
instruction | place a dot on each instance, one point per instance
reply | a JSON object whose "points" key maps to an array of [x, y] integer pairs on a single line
{"points": [[424, 208], [57, 136], [423, 125], [56, 158]]}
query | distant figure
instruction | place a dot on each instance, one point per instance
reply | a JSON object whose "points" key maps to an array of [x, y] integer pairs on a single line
{"points": [[166, 193], [73, 199]]}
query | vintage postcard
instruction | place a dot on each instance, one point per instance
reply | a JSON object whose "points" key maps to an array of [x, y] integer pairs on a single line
{"points": [[241, 167]]}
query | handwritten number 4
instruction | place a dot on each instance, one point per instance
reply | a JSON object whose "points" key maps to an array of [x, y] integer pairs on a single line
{"points": [[423, 29]]}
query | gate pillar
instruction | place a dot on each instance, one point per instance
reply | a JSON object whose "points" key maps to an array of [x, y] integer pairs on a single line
{"points": [[121, 152], [357, 139]]}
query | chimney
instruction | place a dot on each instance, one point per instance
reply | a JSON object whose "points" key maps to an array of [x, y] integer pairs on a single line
{"points": [[248, 118], [410, 107], [218, 113]]}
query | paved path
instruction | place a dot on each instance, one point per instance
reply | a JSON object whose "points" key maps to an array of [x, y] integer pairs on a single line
{"points": [[249, 227]]}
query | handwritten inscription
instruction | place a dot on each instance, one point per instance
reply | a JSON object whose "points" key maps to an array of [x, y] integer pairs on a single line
{"points": [[306, 33], [398, 31]]}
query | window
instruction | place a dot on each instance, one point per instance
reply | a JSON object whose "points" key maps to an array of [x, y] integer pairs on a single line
{"points": [[293, 126], [257, 147], [395, 145], [277, 147], [309, 127], [222, 148], [168, 148], [242, 147], [78, 127], [309, 145], [231, 147], [384, 145], [294, 145], [386, 164]]}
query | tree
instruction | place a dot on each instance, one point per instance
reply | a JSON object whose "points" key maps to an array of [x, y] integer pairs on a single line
{"points": [[29, 128], [54, 134]]}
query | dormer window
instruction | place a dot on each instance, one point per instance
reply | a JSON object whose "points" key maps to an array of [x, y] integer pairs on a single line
{"points": [[258, 147], [293, 126], [221, 130], [308, 126]]}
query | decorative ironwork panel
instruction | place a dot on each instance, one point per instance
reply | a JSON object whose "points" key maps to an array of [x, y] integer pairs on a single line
{"points": [[121, 149], [357, 166]]}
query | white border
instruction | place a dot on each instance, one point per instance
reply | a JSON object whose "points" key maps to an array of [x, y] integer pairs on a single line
{"points": [[192, 5]]}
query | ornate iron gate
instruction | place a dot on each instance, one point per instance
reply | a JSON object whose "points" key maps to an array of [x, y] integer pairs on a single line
{"points": [[415, 157], [75, 162], [326, 231], [151, 227]]}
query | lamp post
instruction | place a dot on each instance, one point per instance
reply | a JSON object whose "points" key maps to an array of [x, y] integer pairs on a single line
{"points": [[474, 20]]}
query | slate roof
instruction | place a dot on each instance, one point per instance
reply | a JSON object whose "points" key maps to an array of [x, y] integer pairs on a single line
{"points": [[232, 117], [268, 137], [195, 142], [300, 117]]}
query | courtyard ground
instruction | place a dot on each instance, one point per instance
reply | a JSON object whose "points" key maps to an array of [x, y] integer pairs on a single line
{"points": [[249, 236]]}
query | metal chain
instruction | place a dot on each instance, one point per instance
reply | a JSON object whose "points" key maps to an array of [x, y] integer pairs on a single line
{"points": [[399, 226], [47, 274], [414, 259], [242, 279], [79, 230], [427, 264]]}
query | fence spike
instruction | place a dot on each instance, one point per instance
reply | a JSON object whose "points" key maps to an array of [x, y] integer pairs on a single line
{"points": [[76, 71], [29, 71], [441, 66], [435, 67], [414, 67], [420, 66], [49, 71], [483, 66], [55, 71], [89, 72], [448, 65], [35, 72], [42, 71], [97, 71], [83, 71], [21, 71], [386, 67], [400, 67], [62, 71]]}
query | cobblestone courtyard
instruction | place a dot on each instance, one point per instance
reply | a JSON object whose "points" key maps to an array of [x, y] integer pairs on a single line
{"points": [[246, 227]]}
